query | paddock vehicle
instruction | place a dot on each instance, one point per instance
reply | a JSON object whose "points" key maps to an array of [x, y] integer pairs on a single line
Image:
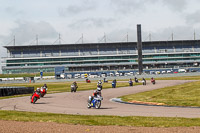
{"points": [[96, 102], [35, 97]]}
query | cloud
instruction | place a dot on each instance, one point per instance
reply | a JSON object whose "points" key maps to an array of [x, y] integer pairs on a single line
{"points": [[27, 31], [12, 11], [193, 18], [141, 6], [91, 22], [127, 6], [84, 6], [175, 5]]}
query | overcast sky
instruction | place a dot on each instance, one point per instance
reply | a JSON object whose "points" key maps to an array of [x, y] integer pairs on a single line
{"points": [[25, 19]]}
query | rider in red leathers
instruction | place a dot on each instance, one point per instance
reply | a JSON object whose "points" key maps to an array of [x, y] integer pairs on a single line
{"points": [[153, 80]]}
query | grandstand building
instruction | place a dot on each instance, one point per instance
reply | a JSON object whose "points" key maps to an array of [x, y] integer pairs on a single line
{"points": [[101, 56]]}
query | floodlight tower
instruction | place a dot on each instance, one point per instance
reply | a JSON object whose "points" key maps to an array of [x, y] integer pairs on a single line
{"points": [[139, 48]]}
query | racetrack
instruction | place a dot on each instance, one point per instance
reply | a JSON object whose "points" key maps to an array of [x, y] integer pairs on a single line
{"points": [[76, 103]]}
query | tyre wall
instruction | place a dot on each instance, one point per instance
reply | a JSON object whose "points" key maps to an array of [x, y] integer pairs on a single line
{"points": [[15, 90]]}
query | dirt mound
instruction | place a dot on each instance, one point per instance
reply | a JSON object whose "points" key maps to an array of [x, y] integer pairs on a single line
{"points": [[51, 127]]}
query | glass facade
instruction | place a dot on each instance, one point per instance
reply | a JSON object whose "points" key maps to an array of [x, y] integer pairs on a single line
{"points": [[97, 56]]}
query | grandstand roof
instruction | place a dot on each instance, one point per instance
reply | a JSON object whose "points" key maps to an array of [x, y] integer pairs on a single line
{"points": [[155, 43]]}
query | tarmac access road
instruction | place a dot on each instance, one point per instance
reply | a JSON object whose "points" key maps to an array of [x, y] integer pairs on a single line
{"points": [[76, 103]]}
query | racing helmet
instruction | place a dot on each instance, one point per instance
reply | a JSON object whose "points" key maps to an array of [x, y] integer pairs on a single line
{"points": [[38, 89]]}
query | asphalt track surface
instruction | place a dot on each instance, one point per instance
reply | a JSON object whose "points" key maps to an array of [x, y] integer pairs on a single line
{"points": [[76, 103]]}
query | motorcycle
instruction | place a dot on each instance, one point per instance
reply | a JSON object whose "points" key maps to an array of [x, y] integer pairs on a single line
{"points": [[143, 82], [96, 102], [88, 81], [113, 85], [130, 83], [153, 81], [99, 85], [43, 91], [105, 80], [73, 88], [35, 97], [136, 80]]}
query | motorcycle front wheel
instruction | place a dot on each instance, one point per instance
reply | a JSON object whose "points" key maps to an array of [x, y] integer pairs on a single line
{"points": [[88, 104], [98, 104], [34, 100]]}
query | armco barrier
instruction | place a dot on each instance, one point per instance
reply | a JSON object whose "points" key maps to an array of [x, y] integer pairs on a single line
{"points": [[15, 90]]}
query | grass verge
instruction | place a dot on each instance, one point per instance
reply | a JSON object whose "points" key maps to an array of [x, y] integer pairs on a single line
{"points": [[181, 95], [180, 78], [26, 75], [99, 120], [58, 87]]}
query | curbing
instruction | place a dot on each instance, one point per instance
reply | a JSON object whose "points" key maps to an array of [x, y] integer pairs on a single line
{"points": [[120, 101]]}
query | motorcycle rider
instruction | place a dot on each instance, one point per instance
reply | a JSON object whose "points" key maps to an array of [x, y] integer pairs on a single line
{"points": [[99, 84], [87, 80], [105, 80], [143, 81], [153, 80], [37, 91], [44, 86], [130, 82], [136, 80], [75, 84], [114, 82], [96, 93]]}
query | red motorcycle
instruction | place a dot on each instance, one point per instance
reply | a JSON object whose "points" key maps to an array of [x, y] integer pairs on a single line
{"points": [[43, 91], [88, 81], [153, 81], [35, 97]]}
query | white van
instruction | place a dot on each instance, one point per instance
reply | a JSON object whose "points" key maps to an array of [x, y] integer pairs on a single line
{"points": [[181, 70], [76, 76], [117, 74]]}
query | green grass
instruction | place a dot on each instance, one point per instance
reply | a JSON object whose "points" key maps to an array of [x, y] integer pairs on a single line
{"points": [[65, 86], [180, 78], [99, 120], [58, 87], [6, 97], [26, 75], [181, 95]]}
